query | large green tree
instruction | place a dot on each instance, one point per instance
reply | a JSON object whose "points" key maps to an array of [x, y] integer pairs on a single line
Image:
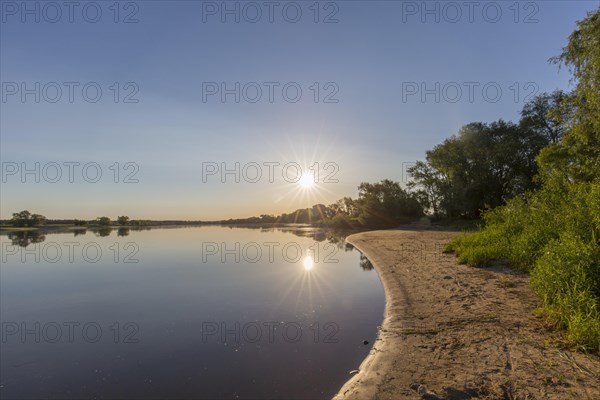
{"points": [[103, 221], [27, 219], [484, 165], [431, 188]]}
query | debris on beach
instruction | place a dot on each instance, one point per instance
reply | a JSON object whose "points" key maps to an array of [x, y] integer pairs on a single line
{"points": [[424, 392]]}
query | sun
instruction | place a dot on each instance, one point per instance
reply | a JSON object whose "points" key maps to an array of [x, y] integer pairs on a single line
{"points": [[306, 181], [308, 263]]}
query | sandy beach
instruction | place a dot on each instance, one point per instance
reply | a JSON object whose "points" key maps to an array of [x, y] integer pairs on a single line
{"points": [[451, 331]]}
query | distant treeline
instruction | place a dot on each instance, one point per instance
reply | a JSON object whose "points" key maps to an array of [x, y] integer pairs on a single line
{"points": [[28, 219], [381, 204]]}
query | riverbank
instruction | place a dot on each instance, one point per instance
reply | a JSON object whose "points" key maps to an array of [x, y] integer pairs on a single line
{"points": [[451, 331]]}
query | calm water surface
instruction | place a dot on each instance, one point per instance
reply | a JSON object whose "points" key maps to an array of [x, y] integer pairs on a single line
{"points": [[206, 312]]}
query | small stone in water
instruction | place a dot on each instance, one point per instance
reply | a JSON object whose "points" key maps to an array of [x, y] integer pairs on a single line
{"points": [[365, 342]]}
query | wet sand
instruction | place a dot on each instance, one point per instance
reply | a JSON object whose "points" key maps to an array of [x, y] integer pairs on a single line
{"points": [[451, 331]]}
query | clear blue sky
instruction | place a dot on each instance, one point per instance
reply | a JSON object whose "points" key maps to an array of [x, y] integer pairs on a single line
{"points": [[375, 53]]}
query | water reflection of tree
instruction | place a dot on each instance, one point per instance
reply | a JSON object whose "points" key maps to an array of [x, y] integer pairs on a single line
{"points": [[26, 238], [336, 237], [141, 228], [103, 232], [365, 264], [319, 234], [123, 232], [78, 232]]}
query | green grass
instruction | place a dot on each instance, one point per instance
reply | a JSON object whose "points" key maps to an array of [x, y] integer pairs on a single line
{"points": [[554, 235]]}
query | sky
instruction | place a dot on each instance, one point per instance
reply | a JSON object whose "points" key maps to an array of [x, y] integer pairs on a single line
{"points": [[213, 110]]}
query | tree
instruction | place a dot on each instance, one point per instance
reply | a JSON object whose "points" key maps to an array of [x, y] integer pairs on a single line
{"points": [[267, 218], [25, 218], [122, 220], [385, 203], [481, 167], [345, 206], [576, 158], [545, 117], [103, 221], [430, 186], [320, 212]]}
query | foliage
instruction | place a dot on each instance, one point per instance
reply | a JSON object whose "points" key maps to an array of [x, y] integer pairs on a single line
{"points": [[385, 203], [103, 221], [546, 118], [485, 165], [26, 219]]}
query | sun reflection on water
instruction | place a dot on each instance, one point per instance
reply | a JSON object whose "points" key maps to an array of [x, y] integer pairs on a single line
{"points": [[308, 263]]}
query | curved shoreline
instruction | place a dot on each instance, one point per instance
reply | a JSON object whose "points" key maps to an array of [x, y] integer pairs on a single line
{"points": [[455, 332], [364, 383]]}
